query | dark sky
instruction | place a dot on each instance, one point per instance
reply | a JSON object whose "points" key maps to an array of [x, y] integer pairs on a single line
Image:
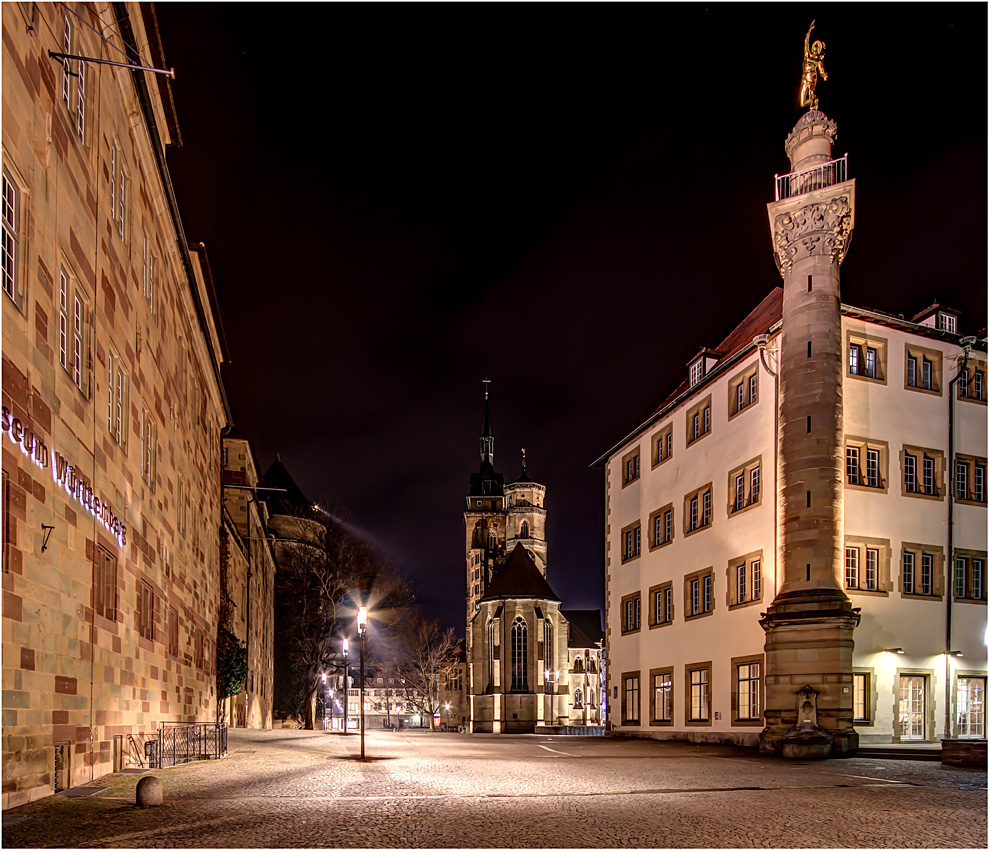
{"points": [[399, 200]]}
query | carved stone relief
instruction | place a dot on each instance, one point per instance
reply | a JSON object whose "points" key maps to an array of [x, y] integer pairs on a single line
{"points": [[816, 229]]}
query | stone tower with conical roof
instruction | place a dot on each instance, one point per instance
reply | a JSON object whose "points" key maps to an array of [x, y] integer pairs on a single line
{"points": [[810, 623]]}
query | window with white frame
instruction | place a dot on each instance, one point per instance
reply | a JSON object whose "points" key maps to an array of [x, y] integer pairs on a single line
{"points": [[630, 698], [150, 262], [866, 357], [661, 604], [661, 526], [116, 382], [970, 576], [861, 702], [11, 235], [67, 72], [149, 449], [748, 690], [631, 541], [923, 471], [699, 698], [867, 564], [947, 322], [697, 509], [970, 479], [866, 463], [662, 445], [921, 571], [970, 707], [696, 371], [745, 486], [699, 593], [972, 381], [631, 612], [923, 369], [662, 696], [699, 421], [743, 390], [745, 579]]}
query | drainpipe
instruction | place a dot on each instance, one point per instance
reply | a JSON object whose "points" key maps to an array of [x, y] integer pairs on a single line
{"points": [[762, 342], [966, 343]]}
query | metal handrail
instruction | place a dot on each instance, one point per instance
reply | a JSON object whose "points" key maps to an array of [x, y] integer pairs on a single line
{"points": [[807, 180]]}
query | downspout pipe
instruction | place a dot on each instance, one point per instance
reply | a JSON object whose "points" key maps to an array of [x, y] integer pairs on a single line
{"points": [[127, 36], [966, 343]]}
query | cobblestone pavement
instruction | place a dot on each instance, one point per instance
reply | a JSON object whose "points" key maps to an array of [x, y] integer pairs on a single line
{"points": [[418, 789]]}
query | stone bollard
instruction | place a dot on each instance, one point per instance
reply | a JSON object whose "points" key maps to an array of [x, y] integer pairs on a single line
{"points": [[149, 792]]}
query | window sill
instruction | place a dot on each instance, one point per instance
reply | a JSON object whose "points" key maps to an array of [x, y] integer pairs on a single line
{"points": [[660, 722], [972, 400], [631, 723], [697, 439], [670, 622], [931, 497], [698, 529], [699, 616], [734, 606], [633, 558], [661, 462], [748, 507], [936, 391], [630, 481], [969, 600], [866, 378], [742, 410], [751, 721], [862, 591], [867, 488], [974, 503], [698, 723], [922, 596], [656, 546], [862, 722], [630, 631]]}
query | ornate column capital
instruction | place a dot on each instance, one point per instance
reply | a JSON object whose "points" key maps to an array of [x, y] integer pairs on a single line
{"points": [[815, 224]]}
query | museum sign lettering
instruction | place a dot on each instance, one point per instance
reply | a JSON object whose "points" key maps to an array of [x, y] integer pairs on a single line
{"points": [[64, 474]]}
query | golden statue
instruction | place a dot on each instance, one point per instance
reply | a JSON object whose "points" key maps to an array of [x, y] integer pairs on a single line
{"points": [[813, 65]]}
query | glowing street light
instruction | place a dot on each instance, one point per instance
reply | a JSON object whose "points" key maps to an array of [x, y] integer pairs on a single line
{"points": [[346, 682], [362, 631]]}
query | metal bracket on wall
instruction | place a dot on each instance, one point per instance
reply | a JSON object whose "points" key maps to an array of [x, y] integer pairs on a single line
{"points": [[169, 72], [48, 529]]}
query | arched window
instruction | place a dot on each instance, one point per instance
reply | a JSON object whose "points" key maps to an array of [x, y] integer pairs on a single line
{"points": [[578, 665], [524, 531], [491, 655], [590, 697], [591, 667], [548, 644], [520, 673], [577, 700], [492, 537]]}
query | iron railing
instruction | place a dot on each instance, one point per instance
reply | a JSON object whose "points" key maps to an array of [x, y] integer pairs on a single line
{"points": [[799, 182], [185, 742]]}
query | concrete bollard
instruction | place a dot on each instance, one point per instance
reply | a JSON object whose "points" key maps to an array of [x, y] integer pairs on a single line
{"points": [[149, 791]]}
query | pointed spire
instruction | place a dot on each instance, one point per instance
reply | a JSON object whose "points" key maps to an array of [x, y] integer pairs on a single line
{"points": [[487, 436], [523, 461]]}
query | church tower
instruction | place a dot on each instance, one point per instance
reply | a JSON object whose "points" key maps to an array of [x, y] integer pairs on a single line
{"points": [[810, 623], [485, 518], [526, 517]]}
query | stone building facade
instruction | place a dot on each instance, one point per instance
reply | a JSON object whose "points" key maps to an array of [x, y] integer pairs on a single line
{"points": [[528, 665], [250, 578], [113, 406], [796, 538]]}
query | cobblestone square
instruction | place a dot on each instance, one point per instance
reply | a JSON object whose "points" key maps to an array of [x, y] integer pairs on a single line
{"points": [[418, 789]]}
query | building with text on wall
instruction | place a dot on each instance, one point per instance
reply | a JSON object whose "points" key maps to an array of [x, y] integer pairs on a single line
{"points": [[796, 538], [529, 663], [112, 406]]}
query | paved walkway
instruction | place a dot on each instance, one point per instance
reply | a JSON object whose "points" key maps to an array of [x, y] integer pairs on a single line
{"points": [[418, 789]]}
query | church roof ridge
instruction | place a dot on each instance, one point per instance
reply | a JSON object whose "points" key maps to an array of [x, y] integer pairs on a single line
{"points": [[519, 578]]}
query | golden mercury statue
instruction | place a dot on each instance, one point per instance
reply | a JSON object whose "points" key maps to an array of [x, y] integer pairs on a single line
{"points": [[813, 65]]}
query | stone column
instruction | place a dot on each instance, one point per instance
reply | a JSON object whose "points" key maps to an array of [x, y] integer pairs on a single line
{"points": [[810, 622]]}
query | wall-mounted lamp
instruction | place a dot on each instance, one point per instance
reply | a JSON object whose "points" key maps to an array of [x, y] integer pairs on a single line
{"points": [[956, 653], [896, 649]]}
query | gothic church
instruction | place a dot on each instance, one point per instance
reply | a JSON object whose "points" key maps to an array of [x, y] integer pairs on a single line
{"points": [[531, 664]]}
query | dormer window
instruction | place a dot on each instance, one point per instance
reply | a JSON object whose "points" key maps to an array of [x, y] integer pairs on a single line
{"points": [[696, 371], [947, 322]]}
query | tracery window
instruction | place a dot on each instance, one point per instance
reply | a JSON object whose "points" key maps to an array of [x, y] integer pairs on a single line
{"points": [[520, 677]]}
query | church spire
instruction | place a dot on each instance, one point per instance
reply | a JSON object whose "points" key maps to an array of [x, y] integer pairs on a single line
{"points": [[487, 437]]}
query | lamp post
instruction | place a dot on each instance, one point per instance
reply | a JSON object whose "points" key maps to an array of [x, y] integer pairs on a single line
{"points": [[346, 683], [446, 705], [362, 631]]}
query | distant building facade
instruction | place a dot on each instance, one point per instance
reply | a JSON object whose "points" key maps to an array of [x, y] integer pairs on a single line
{"points": [[528, 664], [113, 407], [796, 538], [251, 579]]}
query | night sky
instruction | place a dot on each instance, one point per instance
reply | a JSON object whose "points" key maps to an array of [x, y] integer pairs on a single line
{"points": [[400, 200]]}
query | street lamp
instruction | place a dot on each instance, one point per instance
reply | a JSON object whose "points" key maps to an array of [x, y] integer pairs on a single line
{"points": [[446, 705], [362, 631], [346, 683]]}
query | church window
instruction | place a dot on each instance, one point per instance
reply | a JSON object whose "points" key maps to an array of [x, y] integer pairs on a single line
{"points": [[520, 677], [548, 644], [491, 658], [578, 700], [524, 531]]}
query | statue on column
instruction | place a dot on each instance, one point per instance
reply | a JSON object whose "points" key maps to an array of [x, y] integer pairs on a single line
{"points": [[813, 65]]}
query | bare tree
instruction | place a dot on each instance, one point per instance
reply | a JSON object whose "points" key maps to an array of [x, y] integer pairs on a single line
{"points": [[426, 653]]}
